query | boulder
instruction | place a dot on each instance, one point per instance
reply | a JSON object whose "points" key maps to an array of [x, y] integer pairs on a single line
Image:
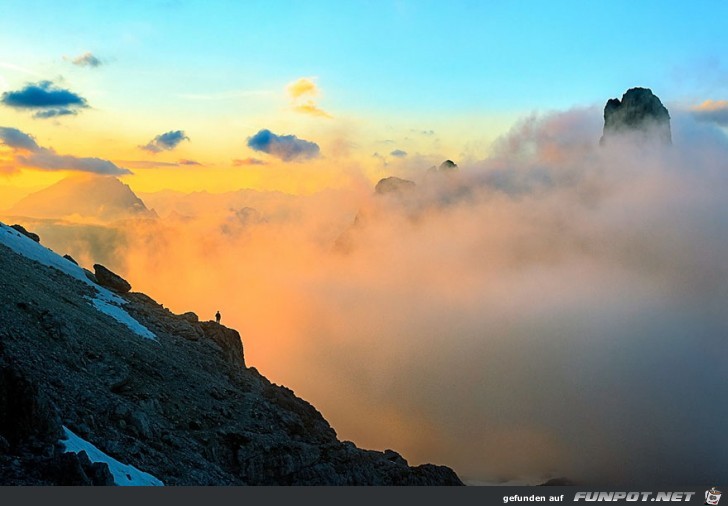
{"points": [[190, 317], [27, 234], [639, 112], [111, 280]]}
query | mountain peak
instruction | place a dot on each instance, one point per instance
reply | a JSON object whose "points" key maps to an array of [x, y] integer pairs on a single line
{"points": [[85, 195], [640, 111]]}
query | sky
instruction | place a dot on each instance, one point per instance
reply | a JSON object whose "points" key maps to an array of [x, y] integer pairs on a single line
{"points": [[554, 307], [424, 80]]}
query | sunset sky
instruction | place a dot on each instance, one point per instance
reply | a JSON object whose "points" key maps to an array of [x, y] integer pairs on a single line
{"points": [[375, 85], [553, 308]]}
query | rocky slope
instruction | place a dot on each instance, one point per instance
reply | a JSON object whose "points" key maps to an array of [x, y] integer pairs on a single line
{"points": [[101, 388]]}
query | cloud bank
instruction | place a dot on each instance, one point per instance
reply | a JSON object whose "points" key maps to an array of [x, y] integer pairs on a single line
{"points": [[286, 147], [715, 111], [46, 99], [28, 153], [557, 309]]}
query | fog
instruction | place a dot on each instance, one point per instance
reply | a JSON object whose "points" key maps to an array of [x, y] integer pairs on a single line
{"points": [[557, 309]]}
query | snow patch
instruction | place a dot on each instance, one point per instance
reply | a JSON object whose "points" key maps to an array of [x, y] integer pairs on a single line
{"points": [[27, 247], [105, 301], [124, 475], [122, 317]]}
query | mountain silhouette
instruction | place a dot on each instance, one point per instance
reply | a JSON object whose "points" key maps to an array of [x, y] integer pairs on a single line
{"points": [[87, 196]]}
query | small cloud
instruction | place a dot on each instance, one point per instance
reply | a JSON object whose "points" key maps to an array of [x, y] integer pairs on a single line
{"points": [[147, 164], [310, 108], [46, 99], [165, 142], [302, 87], [52, 113], [285, 147], [714, 111], [398, 153], [247, 161], [28, 153], [305, 88], [153, 164], [86, 59]]}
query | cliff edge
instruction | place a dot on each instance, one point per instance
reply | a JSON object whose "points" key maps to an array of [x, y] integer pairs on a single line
{"points": [[103, 387]]}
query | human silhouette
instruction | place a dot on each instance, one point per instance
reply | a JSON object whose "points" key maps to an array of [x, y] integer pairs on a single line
{"points": [[217, 317]]}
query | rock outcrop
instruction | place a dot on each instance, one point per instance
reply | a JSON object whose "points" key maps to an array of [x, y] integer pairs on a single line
{"points": [[448, 165], [390, 185], [639, 112], [26, 233], [182, 407], [109, 279]]}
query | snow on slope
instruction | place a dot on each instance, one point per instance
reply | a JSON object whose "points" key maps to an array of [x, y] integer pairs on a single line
{"points": [[105, 301], [122, 317], [124, 475]]}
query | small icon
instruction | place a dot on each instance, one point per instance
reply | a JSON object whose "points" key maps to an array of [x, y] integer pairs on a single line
{"points": [[712, 496]]}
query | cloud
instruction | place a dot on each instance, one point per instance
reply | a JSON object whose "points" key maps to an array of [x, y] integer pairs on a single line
{"points": [[398, 153], [46, 99], [247, 161], [48, 160], [28, 153], [302, 87], [310, 108], [285, 147], [508, 329], [15, 139], [52, 113], [301, 92], [86, 60], [152, 164], [715, 111], [165, 142], [147, 164]]}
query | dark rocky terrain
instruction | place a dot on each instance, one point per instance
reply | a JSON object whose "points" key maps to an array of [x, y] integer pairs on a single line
{"points": [[638, 111], [184, 408]]}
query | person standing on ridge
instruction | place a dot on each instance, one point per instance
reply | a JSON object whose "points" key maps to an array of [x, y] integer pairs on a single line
{"points": [[217, 317]]}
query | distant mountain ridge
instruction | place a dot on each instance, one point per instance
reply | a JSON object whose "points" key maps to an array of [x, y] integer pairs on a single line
{"points": [[86, 196]]}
